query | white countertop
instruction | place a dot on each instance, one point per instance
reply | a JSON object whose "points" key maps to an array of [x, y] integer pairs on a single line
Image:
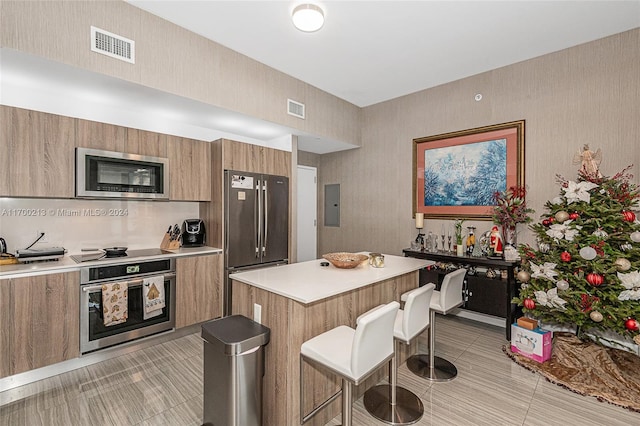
{"points": [[66, 264], [308, 282]]}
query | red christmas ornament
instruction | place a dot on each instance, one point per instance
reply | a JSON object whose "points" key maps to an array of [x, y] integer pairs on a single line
{"points": [[529, 303], [631, 324], [594, 279], [552, 219], [629, 216], [546, 222], [565, 256], [574, 216]]}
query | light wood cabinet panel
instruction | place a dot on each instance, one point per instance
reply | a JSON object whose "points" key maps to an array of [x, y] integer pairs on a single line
{"points": [[146, 143], [198, 289], [5, 324], [189, 169], [38, 155], [95, 135], [241, 156], [44, 321], [255, 158], [277, 162]]}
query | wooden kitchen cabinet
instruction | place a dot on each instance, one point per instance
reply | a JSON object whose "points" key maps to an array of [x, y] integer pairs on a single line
{"points": [[189, 169], [255, 158], [146, 143], [39, 321], [198, 289], [95, 135], [37, 154]]}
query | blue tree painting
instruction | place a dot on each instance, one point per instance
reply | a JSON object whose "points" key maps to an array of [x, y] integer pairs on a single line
{"points": [[465, 175]]}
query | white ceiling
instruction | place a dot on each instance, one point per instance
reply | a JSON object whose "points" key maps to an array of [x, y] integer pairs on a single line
{"points": [[372, 51], [367, 52]]}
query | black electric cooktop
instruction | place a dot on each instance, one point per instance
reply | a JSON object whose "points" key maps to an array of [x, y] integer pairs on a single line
{"points": [[100, 256]]}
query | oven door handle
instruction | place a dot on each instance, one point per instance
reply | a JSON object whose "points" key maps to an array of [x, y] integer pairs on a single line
{"points": [[132, 283]]}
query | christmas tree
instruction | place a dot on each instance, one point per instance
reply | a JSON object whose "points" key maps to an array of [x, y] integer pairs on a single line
{"points": [[585, 271]]}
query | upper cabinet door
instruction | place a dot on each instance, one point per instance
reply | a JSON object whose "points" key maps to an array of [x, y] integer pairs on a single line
{"points": [[189, 169], [146, 143], [91, 134], [38, 154], [255, 158]]}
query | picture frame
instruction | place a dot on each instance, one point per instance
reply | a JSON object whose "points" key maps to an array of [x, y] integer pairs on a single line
{"points": [[456, 174]]}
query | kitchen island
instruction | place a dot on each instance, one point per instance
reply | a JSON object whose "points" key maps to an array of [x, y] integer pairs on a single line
{"points": [[300, 301]]}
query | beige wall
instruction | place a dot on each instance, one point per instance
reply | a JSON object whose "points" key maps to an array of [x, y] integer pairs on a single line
{"points": [[587, 94], [174, 60]]}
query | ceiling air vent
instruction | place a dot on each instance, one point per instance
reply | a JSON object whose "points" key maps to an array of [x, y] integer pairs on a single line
{"points": [[295, 108], [112, 45]]}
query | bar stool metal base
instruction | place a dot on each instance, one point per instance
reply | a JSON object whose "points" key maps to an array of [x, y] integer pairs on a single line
{"points": [[443, 370], [407, 410]]}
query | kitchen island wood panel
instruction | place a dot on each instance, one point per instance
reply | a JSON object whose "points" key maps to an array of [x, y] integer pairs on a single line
{"points": [[292, 322], [198, 289], [37, 158], [42, 323], [189, 168]]}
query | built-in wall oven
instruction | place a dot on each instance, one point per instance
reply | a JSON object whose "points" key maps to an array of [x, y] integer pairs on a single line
{"points": [[96, 332]]}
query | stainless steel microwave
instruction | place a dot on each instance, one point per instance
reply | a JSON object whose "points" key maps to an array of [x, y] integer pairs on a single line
{"points": [[107, 174]]}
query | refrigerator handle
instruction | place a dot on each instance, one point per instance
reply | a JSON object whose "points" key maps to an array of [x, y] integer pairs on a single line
{"points": [[266, 217], [257, 213]]}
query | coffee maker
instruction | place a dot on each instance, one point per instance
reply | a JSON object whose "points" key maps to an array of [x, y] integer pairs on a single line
{"points": [[193, 233]]}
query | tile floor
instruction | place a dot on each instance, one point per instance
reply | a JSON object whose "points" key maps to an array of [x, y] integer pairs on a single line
{"points": [[162, 385]]}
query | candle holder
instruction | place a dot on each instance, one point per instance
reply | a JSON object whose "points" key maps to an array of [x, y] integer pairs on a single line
{"points": [[449, 239], [443, 249]]}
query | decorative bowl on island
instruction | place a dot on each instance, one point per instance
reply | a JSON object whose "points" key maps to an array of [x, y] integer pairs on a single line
{"points": [[345, 260]]}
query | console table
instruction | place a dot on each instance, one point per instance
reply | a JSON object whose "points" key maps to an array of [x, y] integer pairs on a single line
{"points": [[482, 294]]}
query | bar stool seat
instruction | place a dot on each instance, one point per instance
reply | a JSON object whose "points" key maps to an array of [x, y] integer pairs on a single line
{"points": [[353, 355], [449, 297], [391, 403]]}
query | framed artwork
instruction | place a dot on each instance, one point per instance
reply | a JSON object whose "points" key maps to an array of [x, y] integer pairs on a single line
{"points": [[456, 174]]}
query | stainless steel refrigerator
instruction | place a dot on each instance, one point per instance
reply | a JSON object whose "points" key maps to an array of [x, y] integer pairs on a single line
{"points": [[256, 212]]}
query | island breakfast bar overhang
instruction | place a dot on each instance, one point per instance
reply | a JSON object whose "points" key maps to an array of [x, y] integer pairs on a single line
{"points": [[300, 301]]}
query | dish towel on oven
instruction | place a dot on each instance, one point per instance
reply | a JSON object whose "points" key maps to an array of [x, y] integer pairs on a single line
{"points": [[152, 296], [114, 303]]}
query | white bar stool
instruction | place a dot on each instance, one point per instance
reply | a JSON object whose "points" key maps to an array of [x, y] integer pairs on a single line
{"points": [[391, 403], [351, 354], [444, 301]]}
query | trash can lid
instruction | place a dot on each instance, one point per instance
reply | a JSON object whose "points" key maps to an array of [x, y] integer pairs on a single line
{"points": [[235, 334]]}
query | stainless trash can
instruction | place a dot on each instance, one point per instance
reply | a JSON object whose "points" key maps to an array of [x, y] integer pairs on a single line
{"points": [[233, 371]]}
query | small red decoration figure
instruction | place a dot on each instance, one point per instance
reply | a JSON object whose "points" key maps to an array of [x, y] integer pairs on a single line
{"points": [[565, 256], [495, 240]]}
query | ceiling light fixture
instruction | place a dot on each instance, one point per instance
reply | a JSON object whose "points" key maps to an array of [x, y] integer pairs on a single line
{"points": [[308, 17]]}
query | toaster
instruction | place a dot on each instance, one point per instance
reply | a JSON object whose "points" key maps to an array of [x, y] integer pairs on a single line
{"points": [[193, 233]]}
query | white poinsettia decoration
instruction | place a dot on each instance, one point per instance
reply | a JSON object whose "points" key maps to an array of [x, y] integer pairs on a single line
{"points": [[561, 231], [557, 200], [631, 282], [550, 298], [544, 271], [575, 192]]}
